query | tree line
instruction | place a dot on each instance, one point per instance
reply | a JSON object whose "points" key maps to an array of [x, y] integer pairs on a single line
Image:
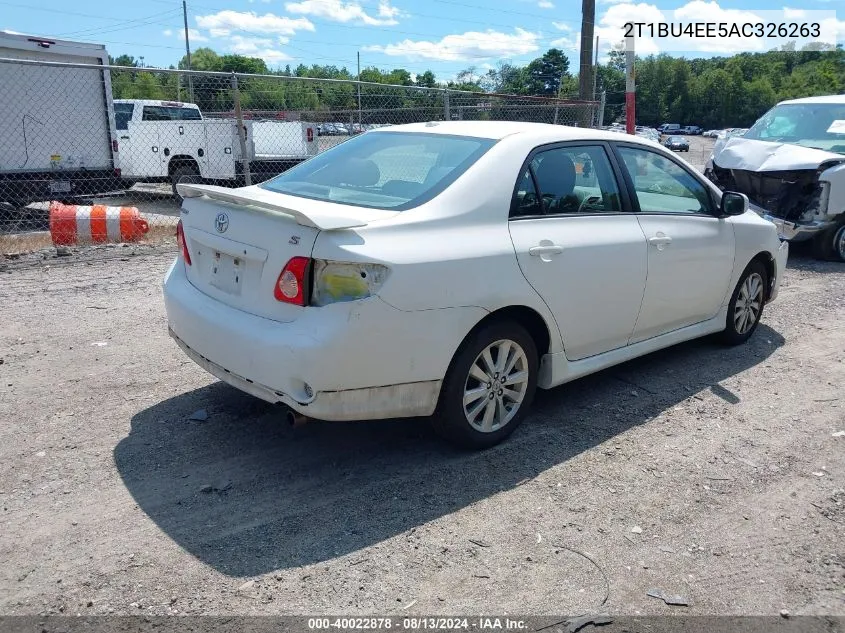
{"points": [[714, 92]]}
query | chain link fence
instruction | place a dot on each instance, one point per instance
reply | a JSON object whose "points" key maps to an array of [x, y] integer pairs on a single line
{"points": [[91, 154]]}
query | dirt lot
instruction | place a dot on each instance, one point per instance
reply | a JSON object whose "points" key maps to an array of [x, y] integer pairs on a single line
{"points": [[708, 472]]}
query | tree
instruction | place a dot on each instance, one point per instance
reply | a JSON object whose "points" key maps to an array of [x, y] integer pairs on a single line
{"points": [[427, 80], [545, 74]]}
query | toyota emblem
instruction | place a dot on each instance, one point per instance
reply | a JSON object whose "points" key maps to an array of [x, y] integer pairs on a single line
{"points": [[221, 222]]}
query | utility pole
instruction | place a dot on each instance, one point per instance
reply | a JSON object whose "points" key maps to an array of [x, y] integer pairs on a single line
{"points": [[359, 87], [588, 18], [630, 87], [188, 51], [595, 78]]}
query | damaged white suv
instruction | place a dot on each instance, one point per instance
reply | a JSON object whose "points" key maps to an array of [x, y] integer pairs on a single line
{"points": [[791, 164]]}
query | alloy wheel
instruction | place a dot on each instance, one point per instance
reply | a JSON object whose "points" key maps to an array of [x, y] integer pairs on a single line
{"points": [[496, 385], [749, 303]]}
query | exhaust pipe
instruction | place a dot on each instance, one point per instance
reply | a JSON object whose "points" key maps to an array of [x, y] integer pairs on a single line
{"points": [[295, 419]]}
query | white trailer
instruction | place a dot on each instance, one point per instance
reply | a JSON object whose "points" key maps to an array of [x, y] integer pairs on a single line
{"points": [[57, 131], [171, 141]]}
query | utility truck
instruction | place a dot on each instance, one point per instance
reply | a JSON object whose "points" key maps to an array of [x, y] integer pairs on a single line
{"points": [[171, 141]]}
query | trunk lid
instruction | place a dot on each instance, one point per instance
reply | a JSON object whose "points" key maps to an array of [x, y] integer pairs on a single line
{"points": [[241, 239]]}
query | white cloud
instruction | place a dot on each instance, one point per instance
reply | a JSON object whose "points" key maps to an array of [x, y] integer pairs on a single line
{"points": [[545, 4], [195, 35], [793, 14], [464, 46], [609, 27], [340, 11], [262, 47], [223, 23]]}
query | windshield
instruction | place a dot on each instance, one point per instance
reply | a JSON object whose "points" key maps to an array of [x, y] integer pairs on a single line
{"points": [[383, 170], [819, 125]]}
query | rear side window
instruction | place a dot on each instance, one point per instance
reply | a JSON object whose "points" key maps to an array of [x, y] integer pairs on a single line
{"points": [[383, 170], [170, 113], [123, 115]]}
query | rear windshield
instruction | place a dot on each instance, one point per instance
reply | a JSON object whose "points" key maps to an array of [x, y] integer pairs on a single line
{"points": [[383, 170]]}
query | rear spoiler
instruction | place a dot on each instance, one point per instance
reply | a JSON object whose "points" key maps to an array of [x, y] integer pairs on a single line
{"points": [[265, 200]]}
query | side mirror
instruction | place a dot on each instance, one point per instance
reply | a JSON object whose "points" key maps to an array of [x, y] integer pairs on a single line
{"points": [[733, 203]]}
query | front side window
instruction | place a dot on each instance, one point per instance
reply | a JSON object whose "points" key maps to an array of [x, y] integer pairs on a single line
{"points": [[571, 180], [663, 186], [383, 170]]}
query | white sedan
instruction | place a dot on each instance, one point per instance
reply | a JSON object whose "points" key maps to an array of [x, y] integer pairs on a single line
{"points": [[449, 269]]}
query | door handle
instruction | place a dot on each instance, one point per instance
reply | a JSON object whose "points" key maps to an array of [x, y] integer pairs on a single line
{"points": [[124, 138], [545, 250], [660, 241]]}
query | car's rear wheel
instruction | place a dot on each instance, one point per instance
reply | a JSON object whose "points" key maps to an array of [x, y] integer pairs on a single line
{"points": [[489, 386], [830, 244], [746, 306]]}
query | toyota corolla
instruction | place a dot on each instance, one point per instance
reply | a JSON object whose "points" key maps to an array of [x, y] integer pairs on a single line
{"points": [[449, 269]]}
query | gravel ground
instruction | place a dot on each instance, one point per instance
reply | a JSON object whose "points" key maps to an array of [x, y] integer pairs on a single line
{"points": [[713, 473]]}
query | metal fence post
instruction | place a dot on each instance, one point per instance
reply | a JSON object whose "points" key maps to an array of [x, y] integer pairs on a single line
{"points": [[447, 114], [601, 107], [236, 93]]}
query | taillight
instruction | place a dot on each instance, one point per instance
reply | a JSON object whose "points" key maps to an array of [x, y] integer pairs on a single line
{"points": [[182, 242], [310, 134], [291, 284], [114, 145]]}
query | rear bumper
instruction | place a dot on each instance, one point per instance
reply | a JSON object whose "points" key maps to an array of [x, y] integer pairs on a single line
{"points": [[57, 185], [345, 361], [393, 401]]}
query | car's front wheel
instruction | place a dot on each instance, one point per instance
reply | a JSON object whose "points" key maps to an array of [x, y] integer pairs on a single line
{"points": [[488, 387], [746, 306]]}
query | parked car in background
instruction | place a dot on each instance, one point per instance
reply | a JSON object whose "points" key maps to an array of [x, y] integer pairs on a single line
{"points": [[694, 130], [791, 164], [677, 144], [711, 133], [320, 288], [669, 128]]}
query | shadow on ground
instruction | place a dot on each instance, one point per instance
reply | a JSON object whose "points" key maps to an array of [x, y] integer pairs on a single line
{"points": [[283, 497]]}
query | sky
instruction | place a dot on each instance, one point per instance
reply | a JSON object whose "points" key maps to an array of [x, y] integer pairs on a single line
{"points": [[445, 36]]}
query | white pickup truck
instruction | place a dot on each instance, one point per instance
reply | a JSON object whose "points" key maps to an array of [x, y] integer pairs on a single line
{"points": [[170, 141]]}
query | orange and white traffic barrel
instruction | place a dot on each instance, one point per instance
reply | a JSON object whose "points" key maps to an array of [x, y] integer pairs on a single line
{"points": [[72, 224]]}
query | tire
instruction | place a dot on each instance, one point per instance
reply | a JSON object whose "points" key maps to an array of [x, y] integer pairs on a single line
{"points": [[830, 244], [451, 420], [736, 330], [185, 173]]}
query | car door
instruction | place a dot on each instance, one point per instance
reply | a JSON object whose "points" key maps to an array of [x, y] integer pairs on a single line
{"points": [[690, 249], [579, 245]]}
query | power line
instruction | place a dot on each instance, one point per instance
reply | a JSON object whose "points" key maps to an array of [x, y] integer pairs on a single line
{"points": [[125, 27]]}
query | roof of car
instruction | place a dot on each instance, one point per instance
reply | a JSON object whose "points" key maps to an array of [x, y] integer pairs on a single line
{"points": [[821, 99], [500, 129]]}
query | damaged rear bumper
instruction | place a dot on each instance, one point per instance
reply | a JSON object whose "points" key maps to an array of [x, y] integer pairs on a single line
{"points": [[391, 401]]}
